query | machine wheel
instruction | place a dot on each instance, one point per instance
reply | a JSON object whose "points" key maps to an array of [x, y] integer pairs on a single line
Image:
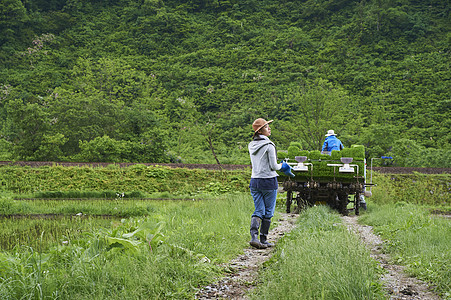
{"points": [[302, 202], [357, 204], [343, 204], [289, 200]]}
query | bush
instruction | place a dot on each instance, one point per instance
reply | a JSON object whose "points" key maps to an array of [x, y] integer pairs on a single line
{"points": [[106, 149], [296, 144], [412, 188], [303, 153], [293, 151], [407, 153], [282, 155]]}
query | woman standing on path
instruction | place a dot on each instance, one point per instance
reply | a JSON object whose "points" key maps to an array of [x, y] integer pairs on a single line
{"points": [[263, 183]]}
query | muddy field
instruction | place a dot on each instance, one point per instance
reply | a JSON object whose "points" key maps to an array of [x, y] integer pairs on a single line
{"points": [[385, 170]]}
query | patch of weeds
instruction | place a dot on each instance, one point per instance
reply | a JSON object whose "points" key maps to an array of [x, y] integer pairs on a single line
{"points": [[158, 172]]}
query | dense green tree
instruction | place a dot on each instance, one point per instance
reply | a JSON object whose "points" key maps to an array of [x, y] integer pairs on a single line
{"points": [[311, 109], [13, 15], [29, 122]]}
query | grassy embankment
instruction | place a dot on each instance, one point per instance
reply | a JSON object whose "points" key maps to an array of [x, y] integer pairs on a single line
{"points": [[150, 181], [165, 250]]}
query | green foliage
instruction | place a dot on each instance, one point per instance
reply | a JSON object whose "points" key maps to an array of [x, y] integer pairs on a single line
{"points": [[106, 149], [281, 155], [314, 155], [188, 78], [13, 15], [407, 153], [296, 144], [29, 123], [128, 180], [415, 188], [5, 150], [50, 148], [303, 153], [314, 106], [293, 151], [335, 155]]}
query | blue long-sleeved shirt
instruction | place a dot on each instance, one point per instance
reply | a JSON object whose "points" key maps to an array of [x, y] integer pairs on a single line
{"points": [[332, 143]]}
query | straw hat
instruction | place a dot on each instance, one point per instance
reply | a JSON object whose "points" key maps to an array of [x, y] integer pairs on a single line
{"points": [[330, 132], [259, 124]]}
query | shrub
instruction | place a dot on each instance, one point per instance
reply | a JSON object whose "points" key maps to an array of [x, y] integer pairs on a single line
{"points": [[282, 155], [296, 144], [303, 153], [293, 151]]}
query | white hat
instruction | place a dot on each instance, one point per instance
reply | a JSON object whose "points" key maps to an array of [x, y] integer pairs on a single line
{"points": [[330, 132]]}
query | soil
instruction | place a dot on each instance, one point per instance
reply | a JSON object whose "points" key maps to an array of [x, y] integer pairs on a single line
{"points": [[244, 269]]}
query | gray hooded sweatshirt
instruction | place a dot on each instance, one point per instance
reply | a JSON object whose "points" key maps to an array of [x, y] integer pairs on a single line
{"points": [[263, 157]]}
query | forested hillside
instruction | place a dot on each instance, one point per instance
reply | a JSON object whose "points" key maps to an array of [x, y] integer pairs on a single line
{"points": [[161, 81]]}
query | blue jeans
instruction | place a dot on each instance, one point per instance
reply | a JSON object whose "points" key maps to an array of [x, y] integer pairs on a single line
{"points": [[264, 202]]}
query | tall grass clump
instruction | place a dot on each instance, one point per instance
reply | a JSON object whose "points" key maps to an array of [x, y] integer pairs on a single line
{"points": [[214, 226], [319, 259], [416, 239]]}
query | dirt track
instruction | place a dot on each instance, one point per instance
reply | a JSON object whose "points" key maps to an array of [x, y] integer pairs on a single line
{"points": [[244, 269], [386, 170], [397, 283]]}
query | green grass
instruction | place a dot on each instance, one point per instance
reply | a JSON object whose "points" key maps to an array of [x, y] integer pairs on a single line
{"points": [[165, 249], [163, 255], [136, 179], [113, 207], [320, 259], [43, 234], [416, 239], [422, 189]]}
